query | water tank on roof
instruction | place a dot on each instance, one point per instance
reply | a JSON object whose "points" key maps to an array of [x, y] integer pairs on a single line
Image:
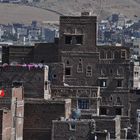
{"points": [[76, 114]]}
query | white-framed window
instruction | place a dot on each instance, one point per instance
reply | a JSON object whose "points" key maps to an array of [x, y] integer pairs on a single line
{"points": [[103, 83], [89, 71], [83, 103]]}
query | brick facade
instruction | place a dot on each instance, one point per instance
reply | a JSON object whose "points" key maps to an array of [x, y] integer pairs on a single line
{"points": [[38, 116]]}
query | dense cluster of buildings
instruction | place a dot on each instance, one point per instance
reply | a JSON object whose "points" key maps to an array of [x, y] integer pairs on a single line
{"points": [[72, 89], [27, 34], [119, 30]]}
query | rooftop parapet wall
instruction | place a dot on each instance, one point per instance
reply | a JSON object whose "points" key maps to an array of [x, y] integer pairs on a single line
{"points": [[77, 19], [43, 112], [31, 76]]}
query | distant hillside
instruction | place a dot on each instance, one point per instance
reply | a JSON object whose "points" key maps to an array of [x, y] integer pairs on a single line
{"points": [[50, 10], [102, 8], [10, 13]]}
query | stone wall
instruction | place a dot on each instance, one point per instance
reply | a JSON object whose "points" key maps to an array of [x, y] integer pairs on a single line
{"points": [[39, 114], [19, 54], [72, 129], [45, 53], [32, 79]]}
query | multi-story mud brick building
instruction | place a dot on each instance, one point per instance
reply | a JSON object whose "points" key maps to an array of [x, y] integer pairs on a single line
{"points": [[97, 79]]}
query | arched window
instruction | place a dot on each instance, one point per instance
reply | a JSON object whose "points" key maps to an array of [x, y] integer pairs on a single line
{"points": [[67, 62], [89, 71], [109, 55], [111, 98], [118, 100], [80, 66]]}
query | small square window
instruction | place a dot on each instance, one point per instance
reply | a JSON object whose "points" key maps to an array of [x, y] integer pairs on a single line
{"points": [[67, 71], [103, 83], [103, 111], [68, 39], [118, 111], [119, 83]]}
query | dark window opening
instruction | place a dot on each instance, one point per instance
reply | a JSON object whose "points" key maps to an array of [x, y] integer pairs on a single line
{"points": [[103, 111], [68, 71], [103, 83], [17, 83], [46, 85], [83, 104], [79, 39], [54, 76], [75, 39], [119, 83], [111, 71], [118, 111], [68, 62], [68, 39]]}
